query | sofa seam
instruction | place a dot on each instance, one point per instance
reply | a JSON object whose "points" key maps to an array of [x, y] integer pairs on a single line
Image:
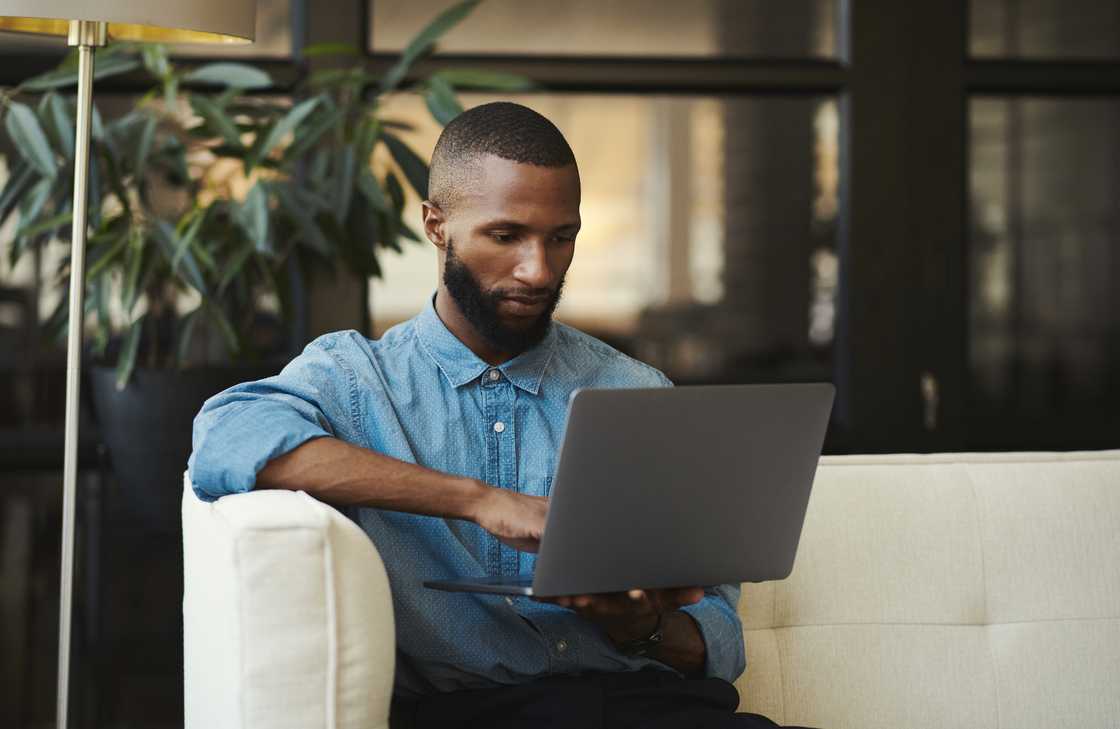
{"points": [[924, 459], [328, 570], [984, 582]]}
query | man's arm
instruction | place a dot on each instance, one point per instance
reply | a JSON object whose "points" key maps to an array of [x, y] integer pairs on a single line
{"points": [[296, 431], [343, 474]]}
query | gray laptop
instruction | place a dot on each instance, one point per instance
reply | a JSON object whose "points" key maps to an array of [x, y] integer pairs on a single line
{"points": [[675, 487]]}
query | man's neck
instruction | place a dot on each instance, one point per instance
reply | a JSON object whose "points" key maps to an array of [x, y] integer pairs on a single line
{"points": [[452, 317]]}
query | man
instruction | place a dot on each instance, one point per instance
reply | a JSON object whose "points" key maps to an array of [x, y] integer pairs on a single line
{"points": [[440, 439]]}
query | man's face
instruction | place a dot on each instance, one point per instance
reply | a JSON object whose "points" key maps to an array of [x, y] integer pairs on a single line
{"points": [[506, 246]]}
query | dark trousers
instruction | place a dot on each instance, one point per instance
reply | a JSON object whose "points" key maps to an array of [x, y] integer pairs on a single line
{"points": [[648, 699]]}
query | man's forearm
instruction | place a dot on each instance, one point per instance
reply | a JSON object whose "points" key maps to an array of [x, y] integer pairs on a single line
{"points": [[339, 473], [682, 644]]}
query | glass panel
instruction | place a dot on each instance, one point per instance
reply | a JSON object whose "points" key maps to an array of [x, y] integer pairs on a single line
{"points": [[1044, 258], [1064, 29], [708, 241], [721, 28]]}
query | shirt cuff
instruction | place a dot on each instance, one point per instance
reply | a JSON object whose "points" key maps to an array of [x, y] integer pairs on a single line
{"points": [[723, 637], [228, 456]]}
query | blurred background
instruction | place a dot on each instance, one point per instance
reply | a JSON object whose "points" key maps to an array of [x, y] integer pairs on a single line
{"points": [[915, 201]]}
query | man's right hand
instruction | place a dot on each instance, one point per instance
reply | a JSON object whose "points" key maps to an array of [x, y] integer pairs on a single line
{"points": [[517, 520]]}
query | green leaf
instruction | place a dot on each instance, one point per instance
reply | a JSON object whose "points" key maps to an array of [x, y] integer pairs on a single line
{"points": [[186, 332], [234, 267], [441, 100], [106, 257], [134, 264], [408, 232], [410, 163], [425, 40], [216, 119], [331, 49], [155, 60], [19, 181], [187, 236], [101, 301], [127, 362], [219, 318], [62, 123], [103, 67], [32, 205], [171, 92], [369, 187], [167, 238], [144, 146], [253, 218], [332, 76], [343, 181], [467, 78], [309, 232], [50, 225], [282, 128], [396, 191], [234, 75], [29, 139], [310, 134], [97, 126]]}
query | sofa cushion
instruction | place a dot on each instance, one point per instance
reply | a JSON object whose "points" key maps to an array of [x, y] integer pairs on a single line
{"points": [[943, 591], [287, 616]]}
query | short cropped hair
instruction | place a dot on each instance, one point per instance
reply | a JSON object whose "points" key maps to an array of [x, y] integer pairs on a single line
{"points": [[501, 128]]}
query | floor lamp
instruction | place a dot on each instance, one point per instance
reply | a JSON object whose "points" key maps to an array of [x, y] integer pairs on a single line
{"points": [[88, 24]]}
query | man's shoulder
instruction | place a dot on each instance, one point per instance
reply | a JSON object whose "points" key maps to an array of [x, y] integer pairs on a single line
{"points": [[350, 341], [612, 368]]}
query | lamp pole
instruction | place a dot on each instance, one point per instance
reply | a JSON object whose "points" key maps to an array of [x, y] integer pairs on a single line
{"points": [[86, 35]]}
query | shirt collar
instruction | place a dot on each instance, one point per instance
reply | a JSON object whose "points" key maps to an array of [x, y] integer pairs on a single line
{"points": [[460, 365]]}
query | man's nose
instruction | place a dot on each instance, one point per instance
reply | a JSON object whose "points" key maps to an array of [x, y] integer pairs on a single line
{"points": [[532, 266]]}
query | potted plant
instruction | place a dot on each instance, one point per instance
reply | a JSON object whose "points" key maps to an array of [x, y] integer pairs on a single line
{"points": [[206, 207]]}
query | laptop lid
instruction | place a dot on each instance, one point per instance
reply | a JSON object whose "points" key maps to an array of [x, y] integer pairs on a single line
{"points": [[685, 486]]}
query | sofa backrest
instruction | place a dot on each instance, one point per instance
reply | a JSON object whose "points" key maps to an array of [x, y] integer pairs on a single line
{"points": [[946, 591], [287, 616]]}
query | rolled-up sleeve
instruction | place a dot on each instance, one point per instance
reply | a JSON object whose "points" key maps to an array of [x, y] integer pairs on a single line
{"points": [[241, 429], [718, 618]]}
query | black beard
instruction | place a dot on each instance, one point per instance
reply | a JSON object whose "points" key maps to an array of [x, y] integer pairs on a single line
{"points": [[480, 308]]}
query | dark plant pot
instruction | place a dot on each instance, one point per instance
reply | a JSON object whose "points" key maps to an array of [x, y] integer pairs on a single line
{"points": [[147, 428]]}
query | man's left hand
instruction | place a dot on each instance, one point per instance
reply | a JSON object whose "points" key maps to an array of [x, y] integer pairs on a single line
{"points": [[632, 615]]}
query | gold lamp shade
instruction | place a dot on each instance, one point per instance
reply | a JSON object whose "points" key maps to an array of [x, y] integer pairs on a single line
{"points": [[153, 21]]}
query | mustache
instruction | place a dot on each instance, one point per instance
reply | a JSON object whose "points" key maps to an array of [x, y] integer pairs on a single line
{"points": [[530, 294]]}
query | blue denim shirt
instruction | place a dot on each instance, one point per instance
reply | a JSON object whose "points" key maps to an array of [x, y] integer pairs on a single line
{"points": [[420, 395]]}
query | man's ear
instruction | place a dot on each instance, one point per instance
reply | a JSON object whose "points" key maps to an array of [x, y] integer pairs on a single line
{"points": [[433, 224]]}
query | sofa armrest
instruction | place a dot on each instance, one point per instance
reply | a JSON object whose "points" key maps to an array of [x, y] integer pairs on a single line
{"points": [[287, 616]]}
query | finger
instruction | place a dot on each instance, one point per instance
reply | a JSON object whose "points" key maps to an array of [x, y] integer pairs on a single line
{"points": [[636, 595], [671, 599], [689, 595]]}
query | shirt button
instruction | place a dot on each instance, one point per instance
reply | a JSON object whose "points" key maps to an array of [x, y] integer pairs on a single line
{"points": [[499, 427], [561, 646], [494, 375]]}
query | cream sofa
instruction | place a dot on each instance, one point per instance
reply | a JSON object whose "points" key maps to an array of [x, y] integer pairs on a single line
{"points": [[929, 591]]}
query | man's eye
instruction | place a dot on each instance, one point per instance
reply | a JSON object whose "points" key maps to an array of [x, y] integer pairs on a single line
{"points": [[502, 237]]}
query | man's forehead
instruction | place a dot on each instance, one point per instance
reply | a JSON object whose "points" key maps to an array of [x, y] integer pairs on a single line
{"points": [[494, 178]]}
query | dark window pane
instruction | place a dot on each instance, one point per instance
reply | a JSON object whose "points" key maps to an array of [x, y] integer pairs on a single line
{"points": [[708, 241], [1060, 29], [1044, 260], [712, 28]]}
